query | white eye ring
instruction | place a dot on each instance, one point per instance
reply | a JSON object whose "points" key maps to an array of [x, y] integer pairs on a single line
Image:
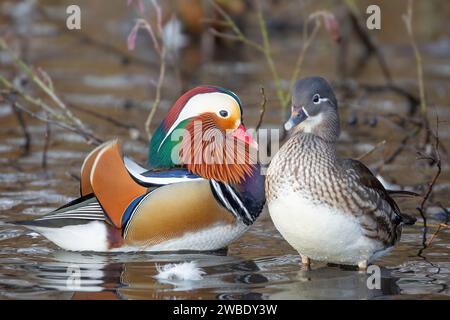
{"points": [[316, 98]]}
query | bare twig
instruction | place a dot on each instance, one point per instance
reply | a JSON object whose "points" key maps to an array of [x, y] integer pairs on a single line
{"points": [[160, 48], [440, 227], [407, 18], [240, 38], [369, 43], [369, 152], [262, 109], [157, 100], [89, 139], [403, 143], [228, 21], [350, 87], [435, 177], [263, 48], [268, 55], [47, 88], [283, 94], [437, 160], [307, 40], [86, 38], [103, 117], [23, 126], [57, 113], [46, 144]]}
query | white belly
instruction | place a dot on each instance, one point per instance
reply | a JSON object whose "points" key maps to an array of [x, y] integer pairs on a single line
{"points": [[93, 237], [320, 232], [213, 238]]}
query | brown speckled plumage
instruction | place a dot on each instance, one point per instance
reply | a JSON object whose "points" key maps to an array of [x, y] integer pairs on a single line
{"points": [[319, 201], [308, 165]]}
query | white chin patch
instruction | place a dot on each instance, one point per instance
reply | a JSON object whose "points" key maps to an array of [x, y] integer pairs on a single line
{"points": [[311, 122]]}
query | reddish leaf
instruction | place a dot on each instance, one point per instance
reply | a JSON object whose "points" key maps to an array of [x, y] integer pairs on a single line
{"points": [[131, 40], [332, 26]]}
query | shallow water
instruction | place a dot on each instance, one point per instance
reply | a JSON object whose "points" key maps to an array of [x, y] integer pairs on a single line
{"points": [[260, 265]]}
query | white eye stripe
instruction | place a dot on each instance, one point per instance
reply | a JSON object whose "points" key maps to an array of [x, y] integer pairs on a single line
{"points": [[305, 112], [320, 99], [195, 106]]}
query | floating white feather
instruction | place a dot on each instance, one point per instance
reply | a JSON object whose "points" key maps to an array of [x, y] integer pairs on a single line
{"points": [[180, 271]]}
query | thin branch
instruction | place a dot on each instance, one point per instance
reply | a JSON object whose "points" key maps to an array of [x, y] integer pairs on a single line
{"points": [[440, 227], [103, 117], [369, 43], [400, 148], [427, 195], [46, 143], [407, 19], [268, 55], [87, 136], [160, 48], [369, 152], [157, 101], [262, 109], [435, 177], [63, 115], [350, 87], [86, 38], [236, 38], [307, 40], [23, 126], [283, 94], [229, 22], [47, 88]]}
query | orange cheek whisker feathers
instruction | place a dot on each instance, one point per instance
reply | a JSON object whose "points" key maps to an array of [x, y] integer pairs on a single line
{"points": [[224, 159]]}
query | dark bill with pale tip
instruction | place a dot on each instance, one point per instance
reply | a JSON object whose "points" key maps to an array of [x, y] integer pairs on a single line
{"points": [[298, 115]]}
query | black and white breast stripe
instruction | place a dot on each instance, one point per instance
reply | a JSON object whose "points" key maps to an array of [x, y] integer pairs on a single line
{"points": [[92, 211], [230, 199]]}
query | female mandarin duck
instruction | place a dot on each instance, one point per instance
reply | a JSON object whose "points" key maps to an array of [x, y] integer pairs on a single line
{"points": [[329, 209], [189, 199]]}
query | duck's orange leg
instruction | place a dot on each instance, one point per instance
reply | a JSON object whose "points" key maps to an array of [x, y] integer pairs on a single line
{"points": [[112, 184]]}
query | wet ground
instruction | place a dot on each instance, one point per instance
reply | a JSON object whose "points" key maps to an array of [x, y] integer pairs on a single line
{"points": [[261, 265]]}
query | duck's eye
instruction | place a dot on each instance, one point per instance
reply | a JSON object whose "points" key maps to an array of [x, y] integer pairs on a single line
{"points": [[223, 113], [316, 98]]}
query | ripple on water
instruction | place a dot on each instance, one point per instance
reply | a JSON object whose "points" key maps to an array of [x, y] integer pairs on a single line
{"points": [[7, 203], [36, 197]]}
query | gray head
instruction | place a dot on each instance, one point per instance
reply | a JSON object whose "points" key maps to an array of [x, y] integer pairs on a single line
{"points": [[314, 109]]}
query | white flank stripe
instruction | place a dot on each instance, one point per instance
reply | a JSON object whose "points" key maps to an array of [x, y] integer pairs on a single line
{"points": [[73, 217], [137, 171], [93, 212], [236, 198], [222, 197]]}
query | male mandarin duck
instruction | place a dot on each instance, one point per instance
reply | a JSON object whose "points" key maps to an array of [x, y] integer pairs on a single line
{"points": [[329, 209], [188, 198]]}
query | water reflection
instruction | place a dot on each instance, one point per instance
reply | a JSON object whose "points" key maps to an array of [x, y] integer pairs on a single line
{"points": [[131, 276], [334, 283]]}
